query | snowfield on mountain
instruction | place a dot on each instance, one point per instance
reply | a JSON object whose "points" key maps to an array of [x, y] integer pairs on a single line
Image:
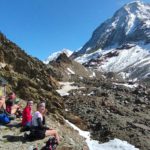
{"points": [[121, 43]]}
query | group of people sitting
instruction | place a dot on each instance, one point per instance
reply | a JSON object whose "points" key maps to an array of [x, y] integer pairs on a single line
{"points": [[35, 123]]}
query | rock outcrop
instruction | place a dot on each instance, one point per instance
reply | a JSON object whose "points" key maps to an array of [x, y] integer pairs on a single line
{"points": [[66, 69]]}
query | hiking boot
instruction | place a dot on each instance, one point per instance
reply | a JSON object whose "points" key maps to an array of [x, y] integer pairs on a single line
{"points": [[26, 136]]}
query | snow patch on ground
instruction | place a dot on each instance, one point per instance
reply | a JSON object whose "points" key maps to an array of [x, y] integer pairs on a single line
{"points": [[127, 85], [81, 78], [66, 87], [92, 93], [115, 144], [126, 57], [124, 75], [87, 57], [2, 65], [93, 75], [143, 62], [70, 71]]}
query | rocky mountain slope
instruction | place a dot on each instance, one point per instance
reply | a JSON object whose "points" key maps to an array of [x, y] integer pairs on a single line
{"points": [[32, 79], [27, 76], [121, 42], [66, 69], [113, 110]]}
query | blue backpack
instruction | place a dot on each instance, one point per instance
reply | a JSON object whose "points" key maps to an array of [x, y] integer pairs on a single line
{"points": [[4, 119]]}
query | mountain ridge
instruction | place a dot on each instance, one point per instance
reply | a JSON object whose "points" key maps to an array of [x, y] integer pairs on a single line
{"points": [[113, 31], [121, 40], [55, 55]]}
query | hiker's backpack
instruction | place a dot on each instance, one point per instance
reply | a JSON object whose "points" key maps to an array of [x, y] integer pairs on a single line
{"points": [[4, 119], [51, 144]]}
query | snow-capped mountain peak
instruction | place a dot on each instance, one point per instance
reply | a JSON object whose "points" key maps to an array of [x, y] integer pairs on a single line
{"points": [[131, 23], [121, 42], [136, 11], [55, 55]]}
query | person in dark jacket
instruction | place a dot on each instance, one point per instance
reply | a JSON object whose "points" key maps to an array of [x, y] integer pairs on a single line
{"points": [[38, 124], [12, 104]]}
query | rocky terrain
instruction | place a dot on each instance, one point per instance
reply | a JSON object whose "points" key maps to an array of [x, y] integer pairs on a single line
{"points": [[113, 110], [110, 107], [12, 138], [66, 69]]}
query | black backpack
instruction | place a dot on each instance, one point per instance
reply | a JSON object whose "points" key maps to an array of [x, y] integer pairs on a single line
{"points": [[51, 144]]}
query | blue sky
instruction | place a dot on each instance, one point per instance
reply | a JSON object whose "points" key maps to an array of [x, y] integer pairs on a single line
{"points": [[41, 27]]}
